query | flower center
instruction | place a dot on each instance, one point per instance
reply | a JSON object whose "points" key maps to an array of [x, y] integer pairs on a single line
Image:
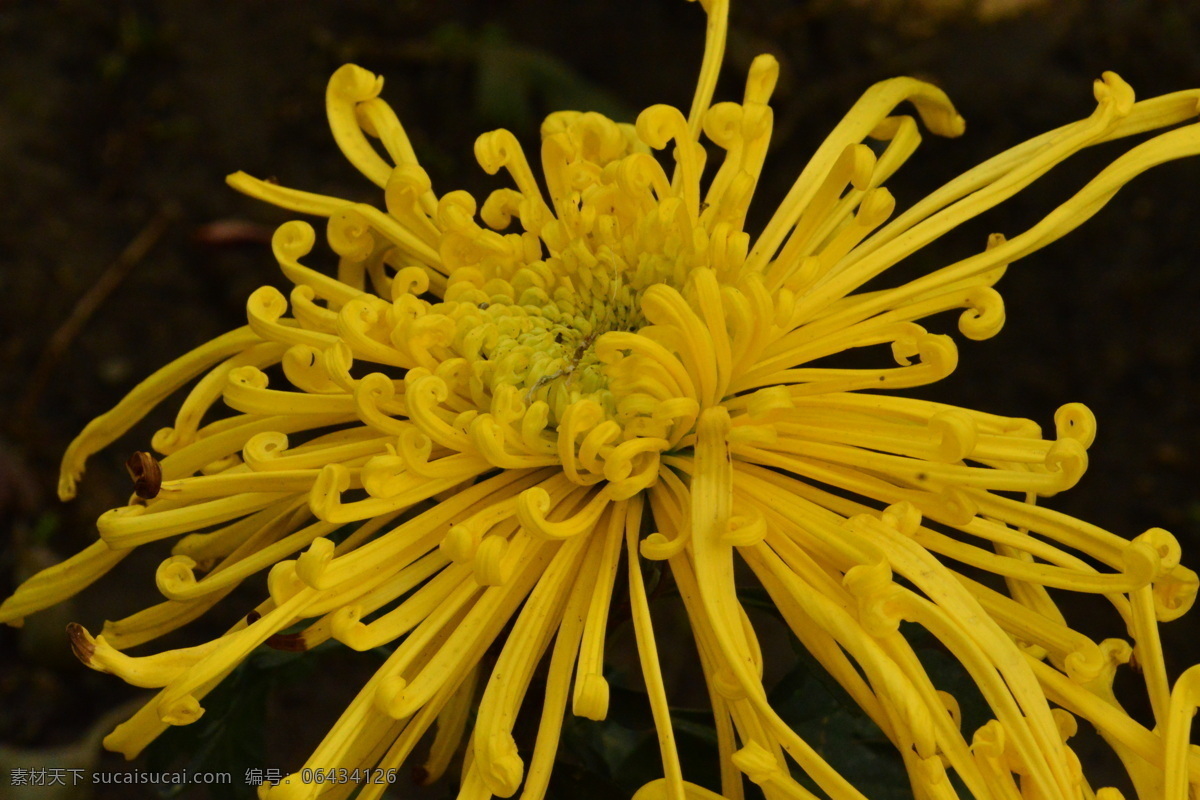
{"points": [[539, 302], [589, 337]]}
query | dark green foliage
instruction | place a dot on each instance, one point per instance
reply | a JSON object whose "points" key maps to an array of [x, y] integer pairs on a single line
{"points": [[231, 736], [515, 82]]}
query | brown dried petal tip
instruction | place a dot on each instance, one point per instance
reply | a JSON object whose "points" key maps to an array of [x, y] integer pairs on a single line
{"points": [[288, 642], [81, 644], [146, 474]]}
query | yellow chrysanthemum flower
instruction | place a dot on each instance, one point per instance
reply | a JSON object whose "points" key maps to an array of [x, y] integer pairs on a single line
{"points": [[496, 424]]}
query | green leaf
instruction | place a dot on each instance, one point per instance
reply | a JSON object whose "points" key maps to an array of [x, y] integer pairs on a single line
{"points": [[516, 83], [231, 735], [842, 734]]}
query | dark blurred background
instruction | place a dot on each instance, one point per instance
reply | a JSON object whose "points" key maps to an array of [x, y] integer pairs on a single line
{"points": [[121, 247]]}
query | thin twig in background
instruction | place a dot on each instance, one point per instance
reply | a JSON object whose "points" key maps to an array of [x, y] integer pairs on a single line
{"points": [[88, 303]]}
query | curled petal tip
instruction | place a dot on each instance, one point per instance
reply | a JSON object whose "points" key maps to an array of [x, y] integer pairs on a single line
{"points": [[313, 563], [180, 711], [355, 83]]}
